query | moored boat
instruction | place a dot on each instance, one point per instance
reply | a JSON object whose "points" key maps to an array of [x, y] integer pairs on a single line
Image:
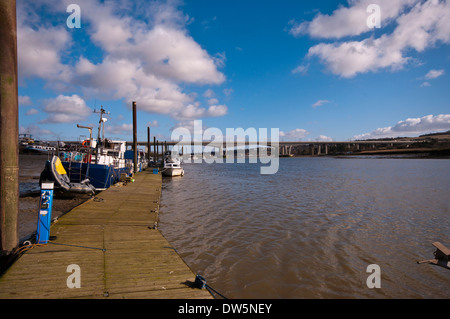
{"points": [[54, 171], [172, 169], [172, 166], [40, 149], [101, 161]]}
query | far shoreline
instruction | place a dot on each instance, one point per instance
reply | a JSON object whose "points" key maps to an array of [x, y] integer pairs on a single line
{"points": [[392, 153]]}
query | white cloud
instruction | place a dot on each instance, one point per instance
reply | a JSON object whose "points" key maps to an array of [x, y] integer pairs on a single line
{"points": [[162, 47], [193, 111], [433, 74], [25, 101], [219, 59], [153, 124], [217, 110], [32, 112], [301, 69], [209, 93], [144, 60], [324, 138], [348, 21], [66, 109], [228, 91], [297, 133], [213, 101], [424, 84], [419, 28], [34, 130], [39, 50], [350, 58], [119, 128], [174, 55], [320, 103], [410, 127], [191, 126]]}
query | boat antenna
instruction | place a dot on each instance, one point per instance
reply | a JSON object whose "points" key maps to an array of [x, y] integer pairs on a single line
{"points": [[101, 124]]}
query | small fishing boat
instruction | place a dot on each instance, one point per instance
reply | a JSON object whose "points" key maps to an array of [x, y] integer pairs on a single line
{"points": [[172, 169], [101, 161], [25, 139], [172, 166], [40, 149]]}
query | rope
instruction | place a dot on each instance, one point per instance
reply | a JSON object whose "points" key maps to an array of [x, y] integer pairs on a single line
{"points": [[200, 282], [102, 249], [27, 245]]}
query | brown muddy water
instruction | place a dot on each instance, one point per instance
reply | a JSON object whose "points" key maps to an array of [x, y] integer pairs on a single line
{"points": [[309, 231], [312, 229]]}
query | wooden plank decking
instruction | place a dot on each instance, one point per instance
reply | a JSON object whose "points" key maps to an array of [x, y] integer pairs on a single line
{"points": [[113, 240]]}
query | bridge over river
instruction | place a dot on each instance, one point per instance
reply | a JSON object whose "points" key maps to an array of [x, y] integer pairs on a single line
{"points": [[285, 148]]}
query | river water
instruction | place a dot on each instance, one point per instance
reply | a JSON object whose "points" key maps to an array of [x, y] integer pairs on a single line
{"points": [[312, 229]]}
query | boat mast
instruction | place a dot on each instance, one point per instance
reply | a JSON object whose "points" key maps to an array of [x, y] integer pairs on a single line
{"points": [[90, 139], [100, 122]]}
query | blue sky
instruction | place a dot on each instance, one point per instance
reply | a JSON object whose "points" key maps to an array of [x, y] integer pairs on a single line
{"points": [[313, 69]]}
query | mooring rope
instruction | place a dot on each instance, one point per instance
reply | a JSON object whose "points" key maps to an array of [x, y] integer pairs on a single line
{"points": [[102, 249], [200, 282]]}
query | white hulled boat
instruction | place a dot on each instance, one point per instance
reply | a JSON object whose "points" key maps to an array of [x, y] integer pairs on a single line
{"points": [[172, 167]]}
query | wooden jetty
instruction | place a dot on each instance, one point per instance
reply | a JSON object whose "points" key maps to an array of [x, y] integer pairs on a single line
{"points": [[113, 240]]}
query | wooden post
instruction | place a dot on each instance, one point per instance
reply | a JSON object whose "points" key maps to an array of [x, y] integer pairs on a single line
{"points": [[134, 138], [157, 149], [9, 128], [154, 149], [148, 143]]}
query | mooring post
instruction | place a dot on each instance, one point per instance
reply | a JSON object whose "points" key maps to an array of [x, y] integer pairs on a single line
{"points": [[148, 143], [9, 128], [154, 149], [134, 138], [157, 150]]}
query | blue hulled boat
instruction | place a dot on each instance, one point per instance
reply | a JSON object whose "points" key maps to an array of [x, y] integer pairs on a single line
{"points": [[103, 170], [102, 162]]}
